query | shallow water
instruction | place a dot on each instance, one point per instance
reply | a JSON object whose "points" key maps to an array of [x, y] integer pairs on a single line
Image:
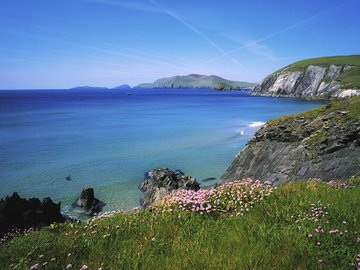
{"points": [[108, 139]]}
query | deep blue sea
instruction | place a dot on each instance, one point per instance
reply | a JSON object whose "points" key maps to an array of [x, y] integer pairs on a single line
{"points": [[108, 139]]}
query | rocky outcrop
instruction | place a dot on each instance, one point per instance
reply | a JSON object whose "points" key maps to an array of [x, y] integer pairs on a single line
{"points": [[161, 182], [313, 81], [321, 143], [20, 213], [88, 202]]}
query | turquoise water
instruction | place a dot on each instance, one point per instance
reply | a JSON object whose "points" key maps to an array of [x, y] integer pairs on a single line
{"points": [[108, 139]]}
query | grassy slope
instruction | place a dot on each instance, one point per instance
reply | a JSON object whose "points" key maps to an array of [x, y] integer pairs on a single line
{"points": [[326, 61], [352, 105], [349, 79], [268, 237]]}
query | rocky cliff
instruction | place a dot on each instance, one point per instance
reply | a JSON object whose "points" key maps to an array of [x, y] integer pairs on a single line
{"points": [[321, 143], [197, 81], [318, 78]]}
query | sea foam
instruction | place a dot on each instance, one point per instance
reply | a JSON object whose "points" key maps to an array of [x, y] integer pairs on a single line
{"points": [[256, 124]]}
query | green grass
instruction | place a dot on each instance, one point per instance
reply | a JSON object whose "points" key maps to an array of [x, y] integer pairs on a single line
{"points": [[353, 60], [268, 237], [351, 105]]}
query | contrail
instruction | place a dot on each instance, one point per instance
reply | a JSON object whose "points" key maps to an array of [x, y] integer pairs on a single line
{"points": [[277, 32], [197, 31]]}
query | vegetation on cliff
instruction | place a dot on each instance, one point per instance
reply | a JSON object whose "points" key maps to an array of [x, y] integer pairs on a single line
{"points": [[352, 60], [323, 142], [316, 78], [348, 79], [302, 225], [351, 106], [344, 112]]}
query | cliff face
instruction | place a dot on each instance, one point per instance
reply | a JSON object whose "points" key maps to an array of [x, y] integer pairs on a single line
{"points": [[320, 78], [321, 143]]}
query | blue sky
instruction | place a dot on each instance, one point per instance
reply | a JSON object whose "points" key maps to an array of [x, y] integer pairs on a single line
{"points": [[66, 43]]}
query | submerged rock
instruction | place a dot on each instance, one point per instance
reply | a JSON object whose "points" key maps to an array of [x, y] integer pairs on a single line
{"points": [[20, 213], [209, 179], [88, 202], [160, 182]]}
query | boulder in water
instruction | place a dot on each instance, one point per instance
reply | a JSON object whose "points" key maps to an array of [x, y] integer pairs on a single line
{"points": [[88, 202]]}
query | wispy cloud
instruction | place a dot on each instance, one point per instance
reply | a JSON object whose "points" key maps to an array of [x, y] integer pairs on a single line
{"points": [[251, 45], [101, 50], [255, 45], [134, 5], [259, 49], [197, 31]]}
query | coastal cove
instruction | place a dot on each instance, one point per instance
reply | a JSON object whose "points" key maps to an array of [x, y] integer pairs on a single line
{"points": [[109, 139]]}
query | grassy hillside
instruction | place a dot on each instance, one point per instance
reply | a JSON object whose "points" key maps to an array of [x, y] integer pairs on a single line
{"points": [[353, 60], [303, 225]]}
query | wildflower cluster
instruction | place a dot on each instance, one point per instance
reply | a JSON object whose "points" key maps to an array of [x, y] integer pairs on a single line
{"points": [[235, 198], [356, 262], [328, 234], [14, 233], [317, 211], [332, 183], [69, 266]]}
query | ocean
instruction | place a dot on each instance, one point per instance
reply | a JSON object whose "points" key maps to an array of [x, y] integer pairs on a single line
{"points": [[109, 139]]}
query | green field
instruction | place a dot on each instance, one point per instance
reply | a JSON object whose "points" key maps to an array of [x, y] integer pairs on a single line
{"points": [[303, 225]]}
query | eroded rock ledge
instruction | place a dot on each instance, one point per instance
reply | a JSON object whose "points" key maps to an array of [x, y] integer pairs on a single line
{"points": [[321, 143]]}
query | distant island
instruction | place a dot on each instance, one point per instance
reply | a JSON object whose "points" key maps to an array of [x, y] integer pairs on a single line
{"points": [[196, 81], [192, 81], [120, 87]]}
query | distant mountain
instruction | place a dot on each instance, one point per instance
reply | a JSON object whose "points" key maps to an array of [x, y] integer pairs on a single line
{"points": [[121, 87], [88, 88], [198, 81]]}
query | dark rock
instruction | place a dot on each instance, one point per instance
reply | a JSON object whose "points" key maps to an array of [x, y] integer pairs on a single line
{"points": [[88, 202], [329, 151], [20, 213], [160, 182]]}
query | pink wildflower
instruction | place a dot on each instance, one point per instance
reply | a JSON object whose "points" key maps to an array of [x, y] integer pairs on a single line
{"points": [[34, 267]]}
